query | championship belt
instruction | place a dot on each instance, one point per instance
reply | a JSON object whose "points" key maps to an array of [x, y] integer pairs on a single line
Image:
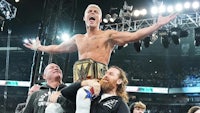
{"points": [[88, 69]]}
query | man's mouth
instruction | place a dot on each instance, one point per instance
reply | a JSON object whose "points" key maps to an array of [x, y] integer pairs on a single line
{"points": [[56, 71], [105, 80], [91, 18]]}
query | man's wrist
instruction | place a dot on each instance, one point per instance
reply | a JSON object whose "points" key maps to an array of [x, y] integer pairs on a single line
{"points": [[83, 83], [36, 47]]}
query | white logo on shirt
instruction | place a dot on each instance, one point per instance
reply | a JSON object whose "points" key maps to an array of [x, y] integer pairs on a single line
{"points": [[110, 103]]}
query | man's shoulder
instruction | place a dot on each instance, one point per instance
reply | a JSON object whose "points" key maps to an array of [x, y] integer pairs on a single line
{"points": [[78, 36], [110, 31]]}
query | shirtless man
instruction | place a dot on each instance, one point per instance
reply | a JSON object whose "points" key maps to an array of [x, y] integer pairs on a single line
{"points": [[95, 46]]}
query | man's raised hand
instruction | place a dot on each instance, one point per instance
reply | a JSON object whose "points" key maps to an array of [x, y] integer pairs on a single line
{"points": [[33, 45]]}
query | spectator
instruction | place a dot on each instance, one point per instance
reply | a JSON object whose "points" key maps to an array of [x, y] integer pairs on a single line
{"points": [[194, 109], [138, 107], [39, 101], [20, 107]]}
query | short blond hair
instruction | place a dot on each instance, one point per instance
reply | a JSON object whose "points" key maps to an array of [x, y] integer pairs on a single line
{"points": [[94, 5], [193, 109], [140, 105]]}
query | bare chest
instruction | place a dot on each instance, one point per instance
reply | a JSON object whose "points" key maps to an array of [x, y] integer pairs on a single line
{"points": [[89, 43]]}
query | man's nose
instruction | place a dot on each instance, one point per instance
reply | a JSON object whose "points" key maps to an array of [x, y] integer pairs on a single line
{"points": [[106, 75]]}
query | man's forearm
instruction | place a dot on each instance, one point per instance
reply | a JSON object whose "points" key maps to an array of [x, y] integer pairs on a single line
{"points": [[144, 32], [48, 49]]}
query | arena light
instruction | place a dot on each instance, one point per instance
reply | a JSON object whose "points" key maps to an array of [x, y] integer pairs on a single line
{"points": [[65, 36], [162, 9], [184, 33], [146, 42], [153, 38], [143, 12], [195, 5], [17, 0], [187, 5], [114, 17], [123, 46], [175, 35], [197, 36], [136, 13], [164, 38], [165, 42], [107, 18], [138, 46], [178, 33], [179, 7], [154, 10], [170, 9], [126, 7]]}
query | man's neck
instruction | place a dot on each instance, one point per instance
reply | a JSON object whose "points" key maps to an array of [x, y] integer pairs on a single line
{"points": [[92, 30], [53, 84], [113, 93], [106, 95]]}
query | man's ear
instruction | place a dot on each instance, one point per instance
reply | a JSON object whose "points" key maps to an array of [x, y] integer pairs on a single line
{"points": [[44, 76], [119, 81], [83, 18]]}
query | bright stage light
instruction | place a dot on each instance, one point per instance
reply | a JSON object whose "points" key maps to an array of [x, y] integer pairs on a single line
{"points": [[113, 18], [170, 9], [179, 7], [164, 35], [107, 18], [65, 36], [162, 9], [154, 10], [17, 0], [187, 5], [195, 5], [136, 13], [175, 35], [143, 12]]}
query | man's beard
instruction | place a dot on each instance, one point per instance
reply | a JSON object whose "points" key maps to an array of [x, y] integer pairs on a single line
{"points": [[58, 79], [107, 86]]}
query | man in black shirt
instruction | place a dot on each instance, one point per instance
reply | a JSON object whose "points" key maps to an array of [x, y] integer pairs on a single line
{"points": [[111, 99], [39, 101]]}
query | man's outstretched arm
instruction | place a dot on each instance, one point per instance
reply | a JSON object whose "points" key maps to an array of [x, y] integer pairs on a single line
{"points": [[65, 47], [126, 37]]}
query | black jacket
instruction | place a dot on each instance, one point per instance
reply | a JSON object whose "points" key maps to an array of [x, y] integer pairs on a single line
{"points": [[37, 102], [20, 107], [113, 104]]}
